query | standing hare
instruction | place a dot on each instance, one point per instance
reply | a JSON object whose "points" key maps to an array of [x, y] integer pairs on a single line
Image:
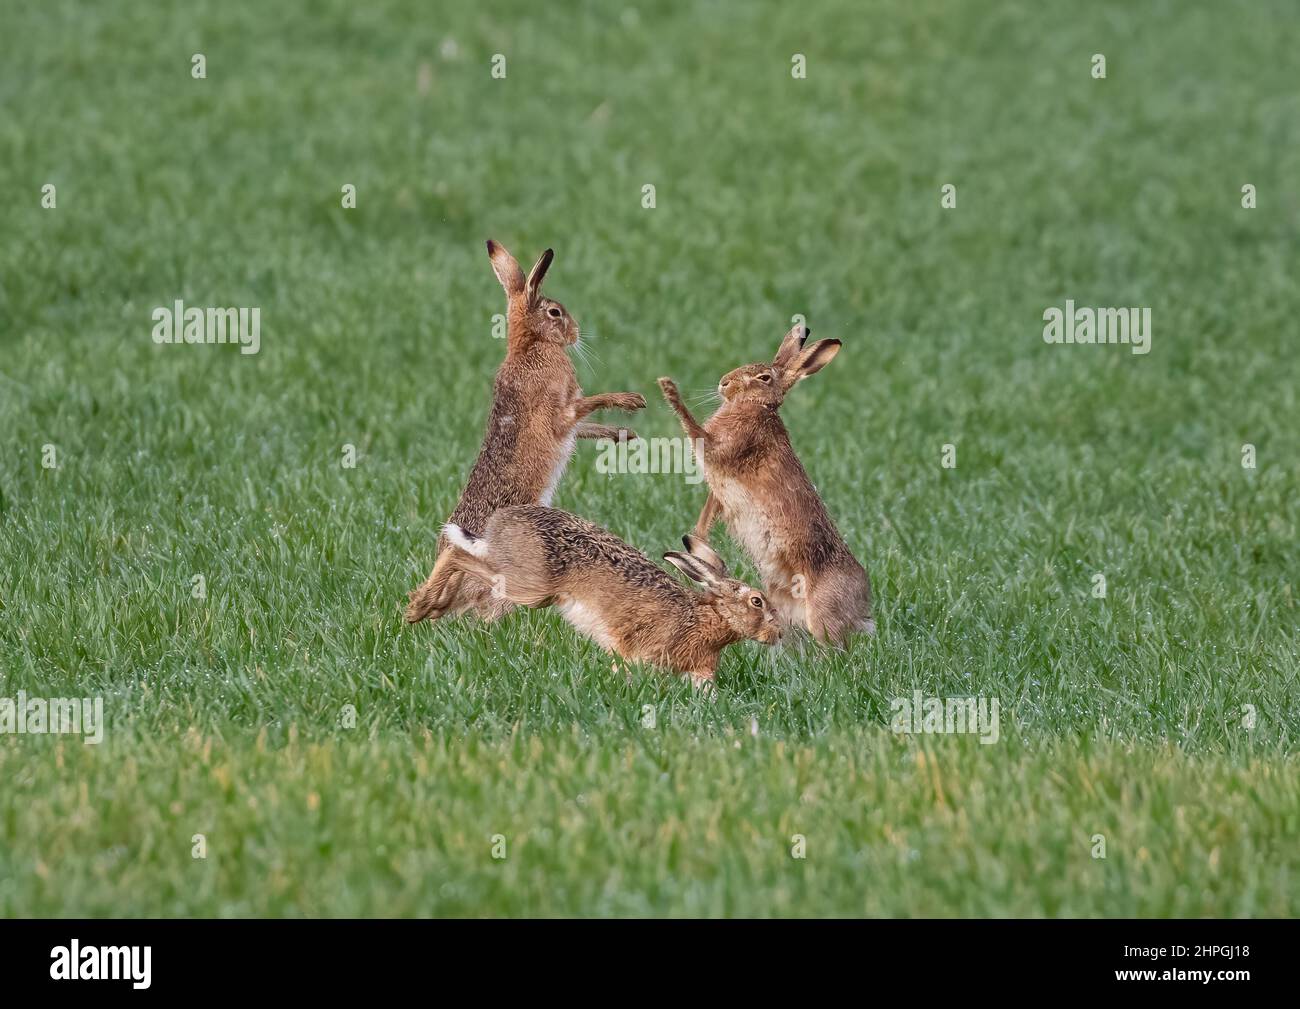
{"points": [[537, 412], [614, 594], [759, 487]]}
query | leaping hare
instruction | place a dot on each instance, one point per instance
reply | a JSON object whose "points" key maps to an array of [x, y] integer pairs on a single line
{"points": [[537, 413], [614, 594], [761, 491]]}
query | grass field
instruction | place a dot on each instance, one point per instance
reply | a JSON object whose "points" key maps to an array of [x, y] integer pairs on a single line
{"points": [[1163, 716]]}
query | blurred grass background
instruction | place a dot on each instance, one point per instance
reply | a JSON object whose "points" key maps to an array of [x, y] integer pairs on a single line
{"points": [[774, 196]]}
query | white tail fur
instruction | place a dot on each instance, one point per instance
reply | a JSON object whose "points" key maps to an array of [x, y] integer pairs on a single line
{"points": [[475, 545]]}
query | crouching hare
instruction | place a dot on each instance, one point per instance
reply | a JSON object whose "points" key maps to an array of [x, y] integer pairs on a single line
{"points": [[538, 411], [614, 594], [761, 491]]}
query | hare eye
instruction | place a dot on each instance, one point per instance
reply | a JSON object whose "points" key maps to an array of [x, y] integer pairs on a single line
{"points": [[554, 313], [765, 378], [756, 602]]}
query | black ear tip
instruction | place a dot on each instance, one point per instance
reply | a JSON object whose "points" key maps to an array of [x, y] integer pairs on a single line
{"points": [[491, 246], [686, 541]]}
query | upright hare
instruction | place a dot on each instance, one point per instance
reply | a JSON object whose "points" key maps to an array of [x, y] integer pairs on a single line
{"points": [[761, 491], [537, 413]]}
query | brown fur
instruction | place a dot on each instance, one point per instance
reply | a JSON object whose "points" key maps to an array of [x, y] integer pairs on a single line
{"points": [[760, 489], [613, 593], [537, 412]]}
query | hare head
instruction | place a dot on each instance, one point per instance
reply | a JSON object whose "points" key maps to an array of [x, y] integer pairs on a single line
{"points": [[768, 383], [532, 316], [744, 609]]}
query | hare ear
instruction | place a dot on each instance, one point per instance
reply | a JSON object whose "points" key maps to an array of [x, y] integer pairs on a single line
{"points": [[506, 269], [701, 551], [693, 569], [811, 360], [791, 344], [535, 278]]}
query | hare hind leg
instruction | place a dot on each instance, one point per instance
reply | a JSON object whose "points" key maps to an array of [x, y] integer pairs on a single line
{"points": [[837, 609], [435, 596], [501, 584], [483, 591], [482, 599], [459, 583]]}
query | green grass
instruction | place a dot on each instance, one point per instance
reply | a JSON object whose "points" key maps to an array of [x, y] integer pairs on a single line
{"points": [[1121, 716]]}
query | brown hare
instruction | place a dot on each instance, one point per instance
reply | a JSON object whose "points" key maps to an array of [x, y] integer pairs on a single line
{"points": [[759, 488], [614, 594], [538, 411]]}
